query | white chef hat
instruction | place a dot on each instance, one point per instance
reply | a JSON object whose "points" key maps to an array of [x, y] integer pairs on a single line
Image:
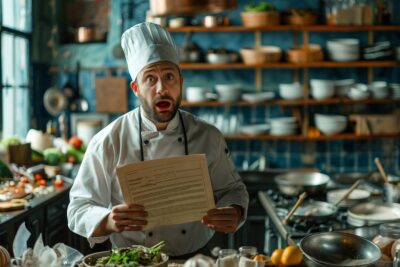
{"points": [[147, 43]]}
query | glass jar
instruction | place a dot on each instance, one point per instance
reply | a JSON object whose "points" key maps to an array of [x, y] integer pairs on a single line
{"points": [[391, 230], [248, 251], [384, 12], [227, 258]]}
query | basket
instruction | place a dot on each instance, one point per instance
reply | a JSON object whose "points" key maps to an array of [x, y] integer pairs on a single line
{"points": [[260, 55], [307, 19], [257, 19], [310, 53]]}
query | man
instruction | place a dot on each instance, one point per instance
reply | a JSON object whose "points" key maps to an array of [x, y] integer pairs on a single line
{"points": [[157, 129]]}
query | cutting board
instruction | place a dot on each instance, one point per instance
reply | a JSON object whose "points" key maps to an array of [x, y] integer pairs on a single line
{"points": [[14, 204], [111, 94]]}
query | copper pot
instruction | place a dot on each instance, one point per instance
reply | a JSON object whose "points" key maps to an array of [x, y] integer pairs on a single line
{"points": [[85, 34], [188, 7]]}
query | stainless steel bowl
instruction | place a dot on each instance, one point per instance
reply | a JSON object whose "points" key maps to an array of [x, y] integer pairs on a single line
{"points": [[339, 250], [294, 183]]}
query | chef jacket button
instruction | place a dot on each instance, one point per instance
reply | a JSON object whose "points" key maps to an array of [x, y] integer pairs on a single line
{"points": [[180, 139], [150, 234], [146, 142], [226, 150], [183, 231]]}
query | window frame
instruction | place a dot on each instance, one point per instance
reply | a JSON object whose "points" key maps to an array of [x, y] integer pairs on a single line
{"points": [[28, 37]]}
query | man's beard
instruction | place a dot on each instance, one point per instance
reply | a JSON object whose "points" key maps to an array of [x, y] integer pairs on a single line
{"points": [[163, 117]]}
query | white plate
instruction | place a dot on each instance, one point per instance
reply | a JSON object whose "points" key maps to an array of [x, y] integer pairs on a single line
{"points": [[254, 129], [258, 97], [375, 212]]}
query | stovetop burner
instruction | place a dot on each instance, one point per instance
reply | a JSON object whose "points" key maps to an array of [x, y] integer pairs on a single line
{"points": [[297, 228]]}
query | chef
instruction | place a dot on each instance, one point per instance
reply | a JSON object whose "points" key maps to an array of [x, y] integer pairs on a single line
{"points": [[156, 129]]}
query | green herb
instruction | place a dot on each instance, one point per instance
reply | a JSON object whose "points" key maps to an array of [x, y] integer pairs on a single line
{"points": [[260, 7], [134, 256]]}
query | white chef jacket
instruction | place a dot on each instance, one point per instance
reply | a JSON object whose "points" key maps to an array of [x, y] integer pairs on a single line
{"points": [[96, 188]]}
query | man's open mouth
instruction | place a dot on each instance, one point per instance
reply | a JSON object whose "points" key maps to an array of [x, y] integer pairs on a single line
{"points": [[163, 105]]}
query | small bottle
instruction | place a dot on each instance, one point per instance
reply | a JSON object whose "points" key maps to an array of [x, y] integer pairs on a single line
{"points": [[227, 258], [248, 251]]}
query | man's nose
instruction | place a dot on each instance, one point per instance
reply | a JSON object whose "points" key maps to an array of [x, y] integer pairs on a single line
{"points": [[160, 87]]}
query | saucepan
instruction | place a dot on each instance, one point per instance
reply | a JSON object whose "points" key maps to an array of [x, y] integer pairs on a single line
{"points": [[294, 183], [338, 249]]}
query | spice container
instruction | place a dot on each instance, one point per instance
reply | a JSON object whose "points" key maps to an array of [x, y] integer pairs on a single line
{"points": [[248, 251]]}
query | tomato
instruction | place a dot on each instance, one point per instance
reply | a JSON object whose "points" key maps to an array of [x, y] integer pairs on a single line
{"points": [[38, 177], [58, 183], [75, 141], [11, 184], [42, 182]]}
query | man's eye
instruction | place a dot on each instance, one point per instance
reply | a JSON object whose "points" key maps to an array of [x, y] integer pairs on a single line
{"points": [[150, 79], [170, 76]]}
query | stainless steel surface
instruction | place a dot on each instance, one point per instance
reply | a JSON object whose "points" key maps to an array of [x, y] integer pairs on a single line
{"points": [[339, 249], [294, 183], [189, 7], [369, 213]]}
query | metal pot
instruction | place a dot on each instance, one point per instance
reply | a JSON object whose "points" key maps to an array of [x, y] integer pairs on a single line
{"points": [[294, 183], [189, 7], [338, 249], [85, 34]]}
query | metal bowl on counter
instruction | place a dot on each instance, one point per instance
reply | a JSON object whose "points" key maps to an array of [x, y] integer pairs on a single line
{"points": [[294, 183], [339, 250]]}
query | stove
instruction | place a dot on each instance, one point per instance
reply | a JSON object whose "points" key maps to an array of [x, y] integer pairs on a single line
{"points": [[278, 234]]}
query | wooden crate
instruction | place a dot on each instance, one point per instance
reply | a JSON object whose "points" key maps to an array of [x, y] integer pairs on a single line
{"points": [[376, 123]]}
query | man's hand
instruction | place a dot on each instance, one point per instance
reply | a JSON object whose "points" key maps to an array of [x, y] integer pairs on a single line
{"points": [[123, 217], [224, 219]]}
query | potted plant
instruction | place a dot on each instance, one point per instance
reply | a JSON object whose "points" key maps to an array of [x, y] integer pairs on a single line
{"points": [[261, 14]]}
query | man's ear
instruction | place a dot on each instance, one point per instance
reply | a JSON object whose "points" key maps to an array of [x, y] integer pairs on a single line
{"points": [[134, 87]]}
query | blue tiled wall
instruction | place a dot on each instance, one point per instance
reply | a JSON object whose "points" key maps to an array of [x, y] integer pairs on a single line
{"points": [[333, 156]]}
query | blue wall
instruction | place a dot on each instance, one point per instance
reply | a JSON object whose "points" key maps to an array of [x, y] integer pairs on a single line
{"points": [[332, 157]]}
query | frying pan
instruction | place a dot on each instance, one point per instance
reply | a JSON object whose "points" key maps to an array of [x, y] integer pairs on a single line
{"points": [[79, 104], [294, 183]]}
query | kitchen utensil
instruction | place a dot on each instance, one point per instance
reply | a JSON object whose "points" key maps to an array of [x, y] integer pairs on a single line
{"points": [[315, 210], [79, 104], [339, 249], [260, 55], [189, 52], [294, 183], [54, 101], [90, 260], [357, 196], [347, 194], [381, 170], [370, 213], [296, 205]]}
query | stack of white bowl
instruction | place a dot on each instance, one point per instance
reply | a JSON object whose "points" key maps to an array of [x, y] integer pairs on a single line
{"points": [[379, 89], [344, 49], [358, 91], [395, 90], [322, 89], [283, 126], [342, 87], [291, 91], [228, 92], [330, 124], [196, 94]]}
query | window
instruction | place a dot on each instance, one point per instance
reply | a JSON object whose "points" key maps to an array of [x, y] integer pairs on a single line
{"points": [[15, 43]]}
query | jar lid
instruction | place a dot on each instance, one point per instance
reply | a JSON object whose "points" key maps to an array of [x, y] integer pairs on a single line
{"points": [[391, 230]]}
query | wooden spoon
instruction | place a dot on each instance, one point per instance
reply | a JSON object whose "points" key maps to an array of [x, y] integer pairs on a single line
{"points": [[347, 194], [381, 170], [298, 203]]}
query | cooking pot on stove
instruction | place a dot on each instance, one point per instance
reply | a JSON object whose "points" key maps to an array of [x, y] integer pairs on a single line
{"points": [[315, 210], [295, 183]]}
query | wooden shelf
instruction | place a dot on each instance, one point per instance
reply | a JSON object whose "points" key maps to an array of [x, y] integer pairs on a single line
{"points": [[283, 102], [345, 136], [308, 28], [287, 65]]}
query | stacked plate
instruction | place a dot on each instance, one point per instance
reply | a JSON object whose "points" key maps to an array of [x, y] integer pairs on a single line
{"points": [[283, 126], [357, 196], [254, 129], [395, 90], [258, 97], [379, 89], [371, 213]]}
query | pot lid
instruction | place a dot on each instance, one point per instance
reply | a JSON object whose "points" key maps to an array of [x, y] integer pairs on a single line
{"points": [[54, 101]]}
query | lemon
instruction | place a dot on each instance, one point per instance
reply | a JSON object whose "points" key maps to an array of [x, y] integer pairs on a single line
{"points": [[291, 255], [276, 256]]}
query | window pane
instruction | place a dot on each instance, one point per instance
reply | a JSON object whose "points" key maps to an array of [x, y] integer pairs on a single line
{"points": [[15, 112], [21, 61], [7, 52], [17, 14]]}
